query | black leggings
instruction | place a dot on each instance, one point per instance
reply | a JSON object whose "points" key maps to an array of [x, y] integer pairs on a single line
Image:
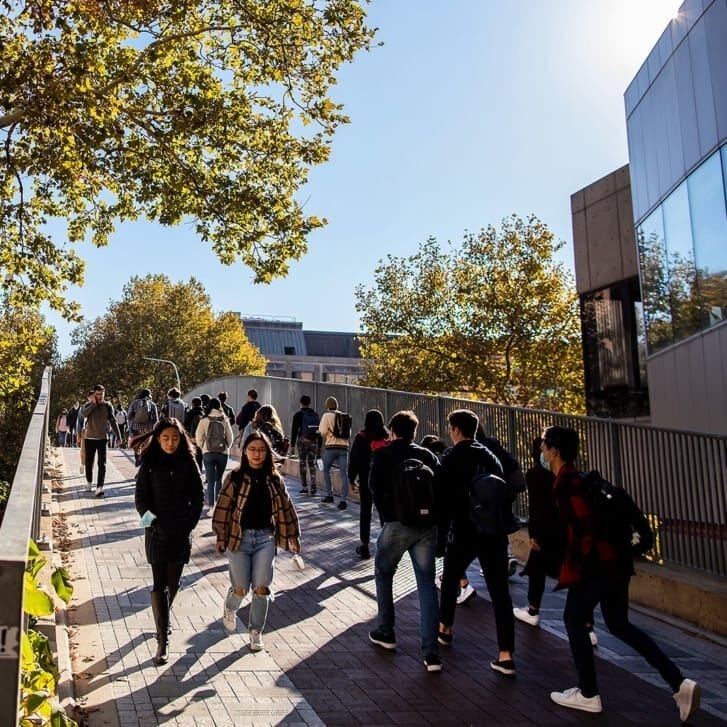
{"points": [[166, 575]]}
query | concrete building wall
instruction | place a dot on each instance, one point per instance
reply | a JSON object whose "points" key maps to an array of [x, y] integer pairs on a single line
{"points": [[603, 232]]}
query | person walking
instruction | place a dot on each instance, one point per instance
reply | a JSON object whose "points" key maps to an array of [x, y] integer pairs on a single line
{"points": [[304, 434], [98, 415], [397, 472], [267, 421], [254, 516], [72, 422], [335, 430], [62, 427], [169, 499], [141, 418], [214, 436], [372, 437], [595, 570]]}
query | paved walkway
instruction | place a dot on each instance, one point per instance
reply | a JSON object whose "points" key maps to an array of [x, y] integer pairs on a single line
{"points": [[318, 667]]}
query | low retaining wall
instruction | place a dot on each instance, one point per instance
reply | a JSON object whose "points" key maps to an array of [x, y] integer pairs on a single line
{"points": [[690, 595]]}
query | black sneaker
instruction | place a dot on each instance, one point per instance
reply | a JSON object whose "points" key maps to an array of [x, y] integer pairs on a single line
{"points": [[433, 662], [303, 491], [342, 505], [363, 551], [506, 667], [313, 492], [444, 639], [386, 641], [327, 498]]}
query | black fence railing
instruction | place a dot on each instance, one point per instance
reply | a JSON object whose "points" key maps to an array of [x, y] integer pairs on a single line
{"points": [[20, 522], [678, 478]]}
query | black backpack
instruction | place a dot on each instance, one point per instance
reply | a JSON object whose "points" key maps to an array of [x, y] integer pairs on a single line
{"points": [[342, 425], [413, 494], [309, 423], [617, 519], [490, 508]]}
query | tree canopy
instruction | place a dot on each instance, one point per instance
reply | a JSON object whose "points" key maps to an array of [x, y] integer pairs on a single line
{"points": [[208, 111], [495, 317], [158, 319]]}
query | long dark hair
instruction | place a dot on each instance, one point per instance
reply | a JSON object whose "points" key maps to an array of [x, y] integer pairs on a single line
{"points": [[149, 441], [268, 467], [374, 426]]}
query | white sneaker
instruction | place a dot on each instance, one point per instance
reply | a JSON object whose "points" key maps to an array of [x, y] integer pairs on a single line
{"points": [[229, 620], [256, 641], [89, 487], [575, 700], [465, 594], [687, 699], [438, 581], [522, 614], [593, 636]]}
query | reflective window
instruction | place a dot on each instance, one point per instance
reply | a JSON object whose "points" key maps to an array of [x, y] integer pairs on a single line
{"points": [[655, 280], [709, 231], [683, 257], [683, 292]]}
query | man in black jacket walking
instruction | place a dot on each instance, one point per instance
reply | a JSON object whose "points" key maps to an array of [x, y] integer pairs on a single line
{"points": [[460, 464], [397, 538]]}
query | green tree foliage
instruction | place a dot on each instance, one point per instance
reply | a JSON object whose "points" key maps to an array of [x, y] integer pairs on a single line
{"points": [[27, 346], [494, 317], [159, 319], [210, 112]]}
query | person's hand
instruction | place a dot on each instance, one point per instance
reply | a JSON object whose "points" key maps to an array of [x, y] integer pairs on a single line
{"points": [[221, 547], [534, 545], [294, 545]]}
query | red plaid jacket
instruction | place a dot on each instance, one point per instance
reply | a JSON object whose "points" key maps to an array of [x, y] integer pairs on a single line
{"points": [[583, 551]]}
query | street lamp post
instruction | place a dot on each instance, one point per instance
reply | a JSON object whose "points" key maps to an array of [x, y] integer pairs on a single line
{"points": [[166, 360]]}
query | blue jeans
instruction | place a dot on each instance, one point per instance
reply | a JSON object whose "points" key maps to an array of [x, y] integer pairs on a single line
{"points": [[394, 540], [331, 455], [214, 468], [252, 566]]}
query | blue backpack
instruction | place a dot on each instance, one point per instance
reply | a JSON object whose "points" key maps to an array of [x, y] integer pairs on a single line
{"points": [[309, 423]]}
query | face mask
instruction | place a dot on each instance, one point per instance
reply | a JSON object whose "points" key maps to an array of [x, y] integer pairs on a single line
{"points": [[544, 462]]}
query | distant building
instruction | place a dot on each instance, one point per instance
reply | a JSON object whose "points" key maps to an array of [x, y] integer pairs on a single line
{"points": [[654, 297], [309, 355]]}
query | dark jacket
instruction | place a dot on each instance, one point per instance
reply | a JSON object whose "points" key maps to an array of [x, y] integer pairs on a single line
{"points": [[296, 426], [247, 413], [72, 417], [359, 458], [585, 554], [170, 486], [228, 411], [192, 419], [460, 463], [383, 466]]}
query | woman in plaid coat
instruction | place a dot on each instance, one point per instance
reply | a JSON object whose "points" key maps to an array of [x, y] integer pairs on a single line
{"points": [[252, 518]]}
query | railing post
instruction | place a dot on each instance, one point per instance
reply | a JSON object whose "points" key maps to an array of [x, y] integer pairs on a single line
{"points": [[617, 471]]}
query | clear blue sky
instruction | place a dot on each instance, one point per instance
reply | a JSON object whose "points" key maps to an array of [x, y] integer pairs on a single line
{"points": [[472, 110]]}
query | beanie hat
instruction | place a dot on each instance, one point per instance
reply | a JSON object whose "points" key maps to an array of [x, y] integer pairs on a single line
{"points": [[331, 402]]}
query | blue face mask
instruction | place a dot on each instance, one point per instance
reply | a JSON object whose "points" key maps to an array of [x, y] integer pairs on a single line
{"points": [[544, 463]]}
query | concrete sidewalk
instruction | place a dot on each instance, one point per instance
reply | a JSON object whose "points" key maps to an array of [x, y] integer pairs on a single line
{"points": [[318, 667]]}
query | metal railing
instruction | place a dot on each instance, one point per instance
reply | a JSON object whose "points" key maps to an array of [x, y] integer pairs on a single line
{"points": [[678, 478], [21, 522]]}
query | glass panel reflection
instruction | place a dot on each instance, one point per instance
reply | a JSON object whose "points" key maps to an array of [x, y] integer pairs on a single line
{"points": [[709, 232], [655, 280]]}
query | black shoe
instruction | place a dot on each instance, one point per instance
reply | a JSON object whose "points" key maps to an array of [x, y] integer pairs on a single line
{"points": [[304, 491], [444, 639], [506, 667], [327, 498], [386, 641], [433, 662], [342, 505], [363, 551]]}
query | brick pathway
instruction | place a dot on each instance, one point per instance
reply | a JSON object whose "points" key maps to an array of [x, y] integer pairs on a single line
{"points": [[318, 667]]}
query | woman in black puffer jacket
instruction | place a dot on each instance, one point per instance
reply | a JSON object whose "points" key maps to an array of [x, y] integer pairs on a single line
{"points": [[169, 489]]}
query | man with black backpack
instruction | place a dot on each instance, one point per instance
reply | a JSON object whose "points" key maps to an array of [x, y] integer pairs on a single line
{"points": [[597, 568], [403, 485], [480, 516], [304, 434], [214, 436], [335, 431]]}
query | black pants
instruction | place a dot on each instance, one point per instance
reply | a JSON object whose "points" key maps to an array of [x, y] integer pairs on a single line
{"points": [[535, 571], [366, 501], [491, 551], [92, 447], [614, 599], [307, 451], [166, 575]]}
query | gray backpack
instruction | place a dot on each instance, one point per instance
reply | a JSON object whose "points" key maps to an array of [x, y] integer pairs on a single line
{"points": [[216, 440]]}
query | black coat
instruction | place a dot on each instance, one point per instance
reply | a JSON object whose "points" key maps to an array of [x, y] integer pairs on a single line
{"points": [[170, 486]]}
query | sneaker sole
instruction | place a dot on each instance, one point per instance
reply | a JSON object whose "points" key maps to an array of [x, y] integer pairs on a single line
{"points": [[694, 705], [433, 668], [579, 707], [383, 644], [503, 671], [467, 600]]}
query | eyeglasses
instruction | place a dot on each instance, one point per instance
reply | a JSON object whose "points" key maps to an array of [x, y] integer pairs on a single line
{"points": [[257, 450]]}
